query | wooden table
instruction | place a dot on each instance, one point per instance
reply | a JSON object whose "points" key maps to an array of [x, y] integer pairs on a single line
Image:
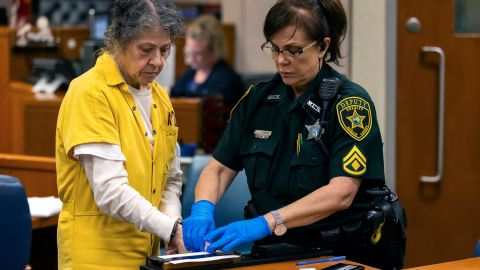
{"points": [[292, 266], [39, 223], [466, 264]]}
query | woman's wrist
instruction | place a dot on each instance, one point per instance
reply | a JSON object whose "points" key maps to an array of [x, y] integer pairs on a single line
{"points": [[174, 229]]}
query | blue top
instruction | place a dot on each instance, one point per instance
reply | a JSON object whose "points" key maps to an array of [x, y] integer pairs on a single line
{"points": [[222, 81]]}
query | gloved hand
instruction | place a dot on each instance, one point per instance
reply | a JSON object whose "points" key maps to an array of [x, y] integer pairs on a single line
{"points": [[198, 224], [238, 232]]}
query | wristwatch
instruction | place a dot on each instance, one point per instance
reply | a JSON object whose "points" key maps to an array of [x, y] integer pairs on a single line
{"points": [[280, 227]]}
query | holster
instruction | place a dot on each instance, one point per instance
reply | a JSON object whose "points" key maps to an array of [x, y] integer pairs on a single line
{"points": [[350, 231]]}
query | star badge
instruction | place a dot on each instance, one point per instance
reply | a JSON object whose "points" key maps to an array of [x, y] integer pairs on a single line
{"points": [[356, 119], [314, 131]]}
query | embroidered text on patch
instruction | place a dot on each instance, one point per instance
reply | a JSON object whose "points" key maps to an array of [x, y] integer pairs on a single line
{"points": [[262, 134], [355, 163], [355, 117], [273, 97]]}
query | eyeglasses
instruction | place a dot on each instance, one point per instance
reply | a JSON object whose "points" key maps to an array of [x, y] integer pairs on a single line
{"points": [[189, 53], [273, 51]]}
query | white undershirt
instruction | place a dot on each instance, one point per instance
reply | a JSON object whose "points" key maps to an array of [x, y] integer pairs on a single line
{"points": [[103, 164], [143, 99]]}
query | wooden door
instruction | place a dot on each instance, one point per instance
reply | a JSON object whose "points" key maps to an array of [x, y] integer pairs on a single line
{"points": [[443, 217]]}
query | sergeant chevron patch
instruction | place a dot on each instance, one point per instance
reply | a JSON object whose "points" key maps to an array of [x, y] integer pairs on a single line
{"points": [[355, 117], [355, 163]]}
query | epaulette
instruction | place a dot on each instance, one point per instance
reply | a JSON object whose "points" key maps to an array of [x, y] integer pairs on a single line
{"points": [[240, 100], [258, 86]]}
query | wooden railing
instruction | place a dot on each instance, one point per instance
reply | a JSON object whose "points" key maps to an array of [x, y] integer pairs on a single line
{"points": [[38, 177]]}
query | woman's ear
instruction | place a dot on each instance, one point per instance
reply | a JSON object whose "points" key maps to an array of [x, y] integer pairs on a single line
{"points": [[324, 47]]}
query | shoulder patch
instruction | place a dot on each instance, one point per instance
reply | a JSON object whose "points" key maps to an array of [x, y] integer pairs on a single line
{"points": [[355, 163], [355, 117], [240, 100]]}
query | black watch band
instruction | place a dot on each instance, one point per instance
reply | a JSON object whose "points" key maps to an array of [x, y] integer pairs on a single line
{"points": [[174, 229]]}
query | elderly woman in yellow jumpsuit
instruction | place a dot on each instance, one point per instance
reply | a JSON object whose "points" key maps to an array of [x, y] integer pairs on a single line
{"points": [[118, 171]]}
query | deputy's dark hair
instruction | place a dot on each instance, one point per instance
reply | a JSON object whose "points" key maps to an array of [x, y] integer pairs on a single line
{"points": [[318, 18], [130, 17]]}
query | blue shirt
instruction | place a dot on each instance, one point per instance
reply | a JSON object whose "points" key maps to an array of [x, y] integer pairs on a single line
{"points": [[223, 81]]}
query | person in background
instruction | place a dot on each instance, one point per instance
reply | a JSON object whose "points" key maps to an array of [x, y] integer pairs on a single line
{"points": [[209, 77], [117, 157], [208, 74], [311, 148]]}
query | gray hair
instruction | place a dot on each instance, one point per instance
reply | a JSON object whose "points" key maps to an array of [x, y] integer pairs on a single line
{"points": [[129, 18]]}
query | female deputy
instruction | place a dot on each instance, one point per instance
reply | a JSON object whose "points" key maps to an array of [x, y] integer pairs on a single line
{"points": [[311, 147], [117, 161]]}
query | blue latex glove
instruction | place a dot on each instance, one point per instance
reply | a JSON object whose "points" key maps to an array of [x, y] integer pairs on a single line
{"points": [[198, 224], [236, 233]]}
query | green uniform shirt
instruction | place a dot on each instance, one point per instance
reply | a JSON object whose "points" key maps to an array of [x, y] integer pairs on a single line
{"points": [[270, 135]]}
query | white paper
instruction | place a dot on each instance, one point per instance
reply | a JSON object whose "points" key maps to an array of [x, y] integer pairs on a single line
{"points": [[204, 259], [44, 206], [182, 255]]}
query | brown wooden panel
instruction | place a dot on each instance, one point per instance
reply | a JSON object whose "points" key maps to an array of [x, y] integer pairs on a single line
{"points": [[188, 113], [39, 223], [4, 57], [40, 125], [15, 66], [38, 176], [36, 173], [291, 265], [41, 118], [12, 116], [467, 264]]}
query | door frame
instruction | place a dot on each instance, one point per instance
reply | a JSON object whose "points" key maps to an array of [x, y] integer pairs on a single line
{"points": [[377, 34], [391, 93]]}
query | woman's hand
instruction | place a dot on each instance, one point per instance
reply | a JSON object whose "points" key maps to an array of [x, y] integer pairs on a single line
{"points": [[198, 224], [176, 245], [236, 233]]}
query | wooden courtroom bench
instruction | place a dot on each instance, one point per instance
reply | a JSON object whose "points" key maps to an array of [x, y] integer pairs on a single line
{"points": [[188, 113], [40, 117], [38, 177]]}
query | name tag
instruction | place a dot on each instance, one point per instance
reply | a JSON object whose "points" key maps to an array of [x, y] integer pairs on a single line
{"points": [[273, 98], [313, 106], [262, 134]]}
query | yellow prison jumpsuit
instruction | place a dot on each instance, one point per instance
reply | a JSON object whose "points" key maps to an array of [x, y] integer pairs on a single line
{"points": [[99, 108]]}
